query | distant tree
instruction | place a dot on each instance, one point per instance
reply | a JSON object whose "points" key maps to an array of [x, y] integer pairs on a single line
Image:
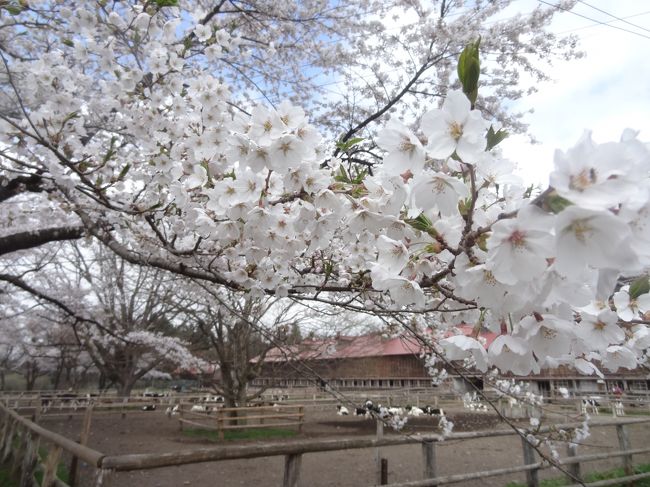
{"points": [[120, 316], [238, 330]]}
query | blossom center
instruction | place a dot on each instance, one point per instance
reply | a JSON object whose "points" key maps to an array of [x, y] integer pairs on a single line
{"points": [[548, 333], [285, 147], [583, 179], [488, 277], [599, 325], [455, 130], [407, 146], [517, 239], [581, 229]]}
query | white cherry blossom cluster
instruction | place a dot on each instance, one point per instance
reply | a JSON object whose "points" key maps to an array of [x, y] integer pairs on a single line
{"points": [[139, 139]]}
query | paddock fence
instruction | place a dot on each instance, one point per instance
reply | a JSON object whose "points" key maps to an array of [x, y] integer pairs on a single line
{"points": [[30, 450], [238, 419]]}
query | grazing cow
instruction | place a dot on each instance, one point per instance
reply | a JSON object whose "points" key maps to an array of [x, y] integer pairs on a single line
{"points": [[171, 411], [590, 404], [395, 411], [149, 407], [431, 411], [414, 411], [342, 410], [360, 412]]}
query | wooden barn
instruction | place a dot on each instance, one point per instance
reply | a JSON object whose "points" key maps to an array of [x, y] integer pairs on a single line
{"points": [[375, 362], [367, 361]]}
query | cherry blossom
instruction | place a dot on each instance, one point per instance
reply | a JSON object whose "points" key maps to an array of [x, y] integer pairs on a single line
{"points": [[178, 145], [455, 128]]}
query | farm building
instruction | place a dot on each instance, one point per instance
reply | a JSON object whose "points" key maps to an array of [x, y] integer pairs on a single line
{"points": [[367, 361], [376, 362]]}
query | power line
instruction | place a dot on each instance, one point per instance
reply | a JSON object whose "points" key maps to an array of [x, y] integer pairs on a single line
{"points": [[614, 16], [594, 20], [608, 22]]}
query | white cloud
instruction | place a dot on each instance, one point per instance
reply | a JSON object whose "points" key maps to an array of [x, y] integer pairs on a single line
{"points": [[606, 91]]}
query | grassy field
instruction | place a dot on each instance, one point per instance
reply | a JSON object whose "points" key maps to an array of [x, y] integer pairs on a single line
{"points": [[594, 477]]}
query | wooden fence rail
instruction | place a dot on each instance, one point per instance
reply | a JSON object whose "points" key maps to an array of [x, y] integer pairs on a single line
{"points": [[223, 419], [20, 446], [20, 440]]}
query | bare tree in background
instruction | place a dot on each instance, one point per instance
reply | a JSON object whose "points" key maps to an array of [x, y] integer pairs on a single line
{"points": [[238, 330]]}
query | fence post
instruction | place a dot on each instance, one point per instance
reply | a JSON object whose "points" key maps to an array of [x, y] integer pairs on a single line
{"points": [[124, 402], [384, 472], [292, 470], [380, 435], [51, 464], [101, 476], [220, 424], [573, 468], [532, 476], [30, 460], [19, 453], [83, 440], [429, 459], [9, 437], [301, 418], [624, 445]]}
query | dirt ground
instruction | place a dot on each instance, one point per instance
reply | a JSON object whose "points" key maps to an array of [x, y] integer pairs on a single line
{"points": [[148, 432]]}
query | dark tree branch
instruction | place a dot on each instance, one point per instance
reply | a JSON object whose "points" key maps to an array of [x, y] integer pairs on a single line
{"points": [[28, 240], [15, 186]]}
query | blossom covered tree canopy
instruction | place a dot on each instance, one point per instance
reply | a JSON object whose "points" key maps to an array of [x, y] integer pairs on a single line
{"points": [[129, 121]]}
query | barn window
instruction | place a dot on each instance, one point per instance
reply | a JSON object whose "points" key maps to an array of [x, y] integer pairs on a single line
{"points": [[638, 385]]}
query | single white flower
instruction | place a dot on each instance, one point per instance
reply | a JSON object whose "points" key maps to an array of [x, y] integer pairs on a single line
{"points": [[405, 152], [518, 248], [594, 176], [587, 237], [392, 255], [548, 336], [587, 368], [598, 332], [202, 32], [435, 190], [616, 357], [629, 309], [455, 127], [459, 347], [198, 177], [513, 354]]}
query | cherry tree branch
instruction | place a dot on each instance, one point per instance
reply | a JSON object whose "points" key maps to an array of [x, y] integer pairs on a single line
{"points": [[35, 238]]}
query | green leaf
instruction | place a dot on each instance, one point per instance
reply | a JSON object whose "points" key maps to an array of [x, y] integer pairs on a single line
{"points": [[639, 287], [556, 203], [12, 9], [123, 172], [166, 3], [68, 42], [347, 144], [469, 70], [495, 138], [342, 176], [360, 177], [421, 222]]}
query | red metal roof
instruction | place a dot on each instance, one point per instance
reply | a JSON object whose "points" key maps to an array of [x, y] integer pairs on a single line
{"points": [[372, 345]]}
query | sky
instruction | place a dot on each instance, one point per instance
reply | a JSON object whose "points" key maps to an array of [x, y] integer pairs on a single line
{"points": [[606, 91]]}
